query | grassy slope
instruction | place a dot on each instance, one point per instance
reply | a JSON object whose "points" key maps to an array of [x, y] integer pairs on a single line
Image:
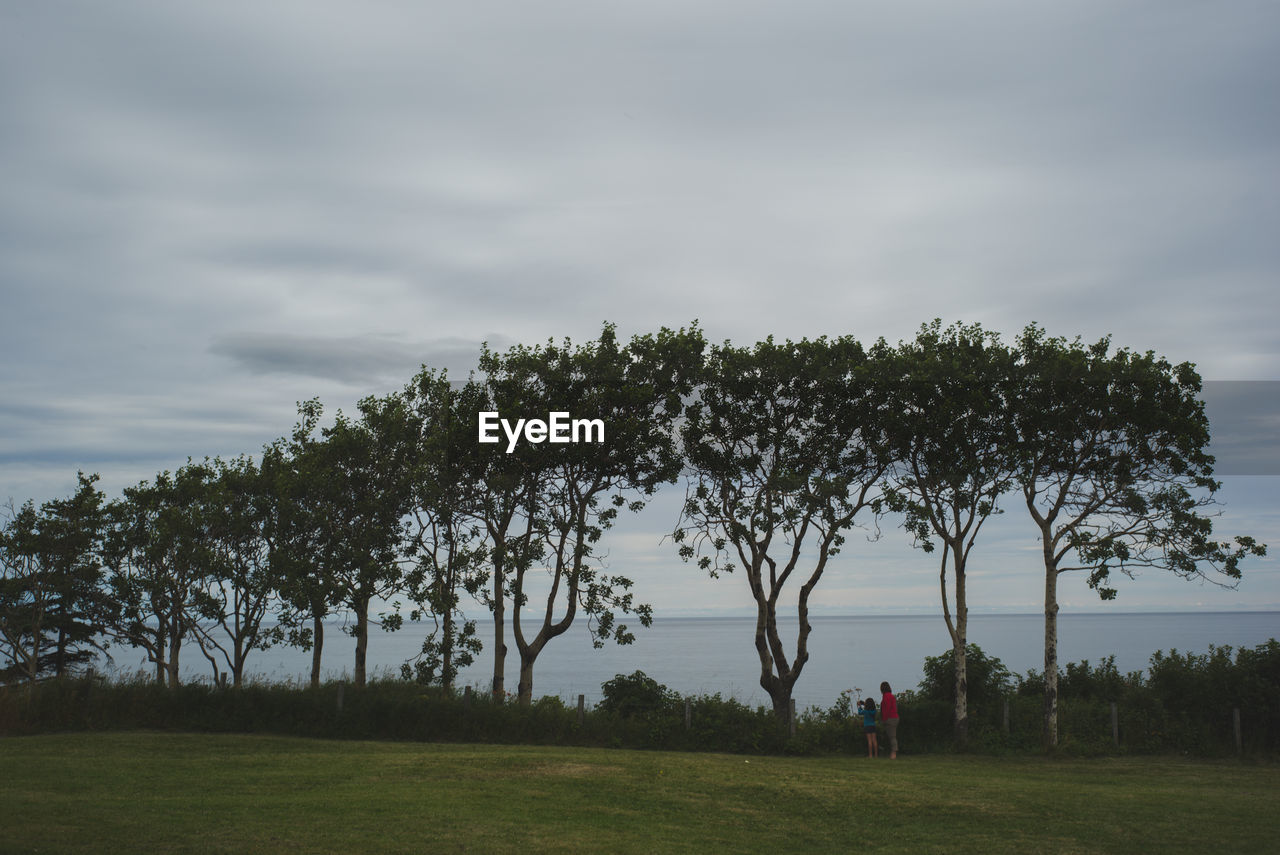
{"points": [[113, 792]]}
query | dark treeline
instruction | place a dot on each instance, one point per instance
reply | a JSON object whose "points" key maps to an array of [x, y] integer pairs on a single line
{"points": [[784, 447]]}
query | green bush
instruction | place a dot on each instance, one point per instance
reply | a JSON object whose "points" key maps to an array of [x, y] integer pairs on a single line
{"points": [[637, 694], [1184, 706]]}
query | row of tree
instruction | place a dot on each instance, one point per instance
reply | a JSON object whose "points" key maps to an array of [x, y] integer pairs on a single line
{"points": [[784, 447]]}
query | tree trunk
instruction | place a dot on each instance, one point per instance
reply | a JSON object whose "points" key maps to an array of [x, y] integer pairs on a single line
{"points": [[499, 646], [446, 652], [777, 676], [317, 639], [781, 698], [959, 646], [237, 669], [33, 658], [1050, 657], [962, 694], [174, 648], [525, 690], [60, 657], [362, 640]]}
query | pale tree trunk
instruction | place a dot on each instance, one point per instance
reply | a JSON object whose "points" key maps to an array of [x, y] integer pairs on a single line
{"points": [[446, 652], [958, 628], [1050, 655]]}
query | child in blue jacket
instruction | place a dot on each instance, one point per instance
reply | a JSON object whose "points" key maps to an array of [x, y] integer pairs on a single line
{"points": [[867, 709]]}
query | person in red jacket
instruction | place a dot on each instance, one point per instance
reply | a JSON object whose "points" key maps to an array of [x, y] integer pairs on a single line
{"points": [[889, 715]]}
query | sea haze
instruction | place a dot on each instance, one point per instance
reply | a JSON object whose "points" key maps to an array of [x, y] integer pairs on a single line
{"points": [[701, 655]]}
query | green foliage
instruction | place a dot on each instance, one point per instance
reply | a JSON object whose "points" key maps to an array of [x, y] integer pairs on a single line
{"points": [[637, 694], [53, 609], [785, 448], [989, 680], [1081, 680], [572, 493]]}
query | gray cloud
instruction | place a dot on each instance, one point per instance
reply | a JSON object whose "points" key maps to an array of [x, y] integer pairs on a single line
{"points": [[358, 361], [246, 205], [1244, 420]]}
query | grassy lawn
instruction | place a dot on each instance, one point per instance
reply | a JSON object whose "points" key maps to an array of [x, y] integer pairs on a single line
{"points": [[162, 792]]}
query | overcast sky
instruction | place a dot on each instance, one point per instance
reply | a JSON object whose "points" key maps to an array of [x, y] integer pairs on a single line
{"points": [[211, 211]]}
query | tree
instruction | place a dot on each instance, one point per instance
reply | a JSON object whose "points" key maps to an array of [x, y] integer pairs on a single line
{"points": [[159, 555], [296, 530], [240, 585], [1112, 464], [504, 507], [636, 391], [785, 447], [352, 486], [950, 426], [52, 607], [447, 545], [25, 594]]}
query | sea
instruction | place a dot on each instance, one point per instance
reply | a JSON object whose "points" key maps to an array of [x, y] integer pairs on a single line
{"points": [[709, 655]]}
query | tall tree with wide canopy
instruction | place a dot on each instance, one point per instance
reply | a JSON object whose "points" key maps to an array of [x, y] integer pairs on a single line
{"points": [[638, 391], [785, 447], [950, 423], [1113, 466]]}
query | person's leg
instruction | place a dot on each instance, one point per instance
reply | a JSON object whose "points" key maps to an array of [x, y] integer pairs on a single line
{"points": [[891, 726], [868, 744], [875, 744]]}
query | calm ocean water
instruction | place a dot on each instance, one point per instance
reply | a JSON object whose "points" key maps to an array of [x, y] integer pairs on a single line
{"points": [[708, 655]]}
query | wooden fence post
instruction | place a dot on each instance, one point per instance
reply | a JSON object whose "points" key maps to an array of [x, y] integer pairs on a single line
{"points": [[582, 703], [1235, 726], [466, 699], [792, 716], [1115, 724], [341, 690], [688, 714]]}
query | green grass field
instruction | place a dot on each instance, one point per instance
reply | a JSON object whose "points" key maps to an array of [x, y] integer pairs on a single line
{"points": [[162, 792]]}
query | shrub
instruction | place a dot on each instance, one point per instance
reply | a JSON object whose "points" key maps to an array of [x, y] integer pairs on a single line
{"points": [[637, 694], [988, 680]]}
